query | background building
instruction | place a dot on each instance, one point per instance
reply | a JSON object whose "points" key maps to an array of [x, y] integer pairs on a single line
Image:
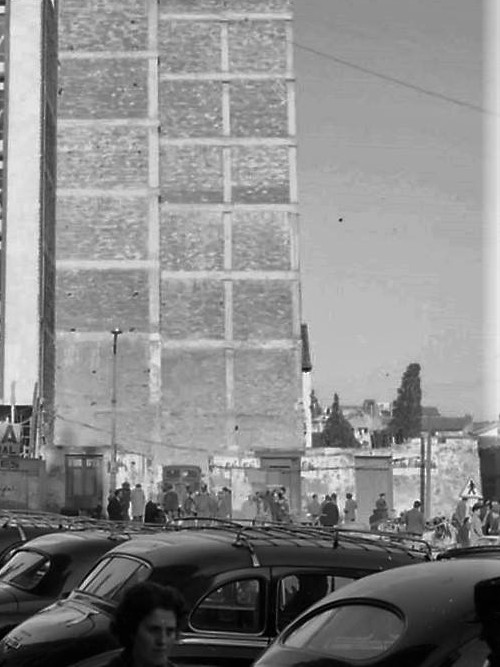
{"points": [[177, 223], [29, 78]]}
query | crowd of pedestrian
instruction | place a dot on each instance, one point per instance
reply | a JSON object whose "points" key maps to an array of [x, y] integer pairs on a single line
{"points": [[473, 524], [270, 505], [125, 504], [327, 512], [467, 526]]}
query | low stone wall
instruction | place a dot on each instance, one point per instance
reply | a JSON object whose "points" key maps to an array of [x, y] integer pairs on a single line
{"points": [[454, 462], [22, 483], [327, 470]]}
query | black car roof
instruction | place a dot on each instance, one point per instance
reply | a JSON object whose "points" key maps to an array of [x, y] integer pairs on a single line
{"points": [[68, 542], [424, 589], [479, 551], [268, 545]]}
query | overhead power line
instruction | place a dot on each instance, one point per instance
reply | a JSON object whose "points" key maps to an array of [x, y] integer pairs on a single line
{"points": [[395, 80], [124, 446]]}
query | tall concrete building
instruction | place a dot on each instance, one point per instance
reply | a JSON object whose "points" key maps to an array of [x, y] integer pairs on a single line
{"points": [[29, 85], [176, 223]]}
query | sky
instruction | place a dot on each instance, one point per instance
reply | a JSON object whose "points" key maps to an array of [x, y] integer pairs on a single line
{"points": [[391, 127]]}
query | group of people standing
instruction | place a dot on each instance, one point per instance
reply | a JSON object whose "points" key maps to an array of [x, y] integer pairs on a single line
{"points": [[125, 504], [270, 505], [472, 525], [327, 513]]}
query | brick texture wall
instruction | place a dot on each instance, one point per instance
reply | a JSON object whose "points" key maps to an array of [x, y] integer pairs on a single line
{"points": [[176, 221]]}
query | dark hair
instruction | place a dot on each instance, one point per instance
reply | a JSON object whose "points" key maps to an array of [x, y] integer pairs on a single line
{"points": [[138, 602]]}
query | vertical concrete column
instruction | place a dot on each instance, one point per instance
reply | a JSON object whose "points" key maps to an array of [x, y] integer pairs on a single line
{"points": [[22, 204], [231, 426], [154, 277]]}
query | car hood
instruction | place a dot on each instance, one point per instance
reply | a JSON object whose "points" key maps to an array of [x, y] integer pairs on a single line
{"points": [[9, 598], [64, 619]]}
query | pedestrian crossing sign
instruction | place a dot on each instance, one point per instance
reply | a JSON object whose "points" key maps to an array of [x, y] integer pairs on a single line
{"points": [[470, 490]]}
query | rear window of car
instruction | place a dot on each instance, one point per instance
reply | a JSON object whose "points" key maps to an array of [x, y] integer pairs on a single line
{"points": [[25, 569], [353, 631], [113, 576]]}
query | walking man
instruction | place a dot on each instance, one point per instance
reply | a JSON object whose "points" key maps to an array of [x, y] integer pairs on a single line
{"points": [[350, 508], [137, 503], [414, 520]]}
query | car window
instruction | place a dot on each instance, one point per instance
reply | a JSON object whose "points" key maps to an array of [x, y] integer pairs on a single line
{"points": [[25, 569], [354, 631], [113, 576], [234, 607], [297, 592]]}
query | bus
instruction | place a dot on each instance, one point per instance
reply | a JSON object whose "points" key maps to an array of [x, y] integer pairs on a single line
{"points": [[182, 477]]}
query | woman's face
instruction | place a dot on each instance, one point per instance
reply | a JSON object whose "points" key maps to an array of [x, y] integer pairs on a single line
{"points": [[155, 638]]}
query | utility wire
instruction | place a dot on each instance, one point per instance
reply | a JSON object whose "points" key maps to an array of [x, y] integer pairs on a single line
{"points": [[121, 444], [395, 80]]}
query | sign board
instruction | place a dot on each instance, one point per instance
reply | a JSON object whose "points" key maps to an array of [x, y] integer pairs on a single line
{"points": [[470, 490], [10, 439]]}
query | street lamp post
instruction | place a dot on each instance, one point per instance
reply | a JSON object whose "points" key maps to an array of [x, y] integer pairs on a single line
{"points": [[113, 465]]}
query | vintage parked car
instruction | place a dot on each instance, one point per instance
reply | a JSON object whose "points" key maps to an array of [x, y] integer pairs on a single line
{"points": [[243, 584], [480, 551], [421, 616], [19, 526], [47, 568]]}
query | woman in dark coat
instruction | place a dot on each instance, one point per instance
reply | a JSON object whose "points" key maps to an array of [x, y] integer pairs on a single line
{"points": [[114, 508]]}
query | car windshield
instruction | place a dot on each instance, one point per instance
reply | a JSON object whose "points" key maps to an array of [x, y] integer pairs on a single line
{"points": [[354, 631], [25, 569], [112, 576]]}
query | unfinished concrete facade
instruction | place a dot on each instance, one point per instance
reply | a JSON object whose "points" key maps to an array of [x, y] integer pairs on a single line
{"points": [[177, 223], [27, 349]]}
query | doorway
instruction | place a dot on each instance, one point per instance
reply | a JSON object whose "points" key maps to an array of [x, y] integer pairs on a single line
{"points": [[83, 481]]}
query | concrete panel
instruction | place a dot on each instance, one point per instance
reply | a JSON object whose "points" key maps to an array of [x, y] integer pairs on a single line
{"points": [[88, 402], [102, 300], [257, 46], [194, 384], [191, 439], [191, 174], [191, 241], [101, 228], [103, 88], [259, 108], [262, 309], [267, 432], [105, 158], [260, 174], [189, 46], [91, 362], [266, 383], [103, 25], [261, 241], [191, 108], [192, 309]]}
